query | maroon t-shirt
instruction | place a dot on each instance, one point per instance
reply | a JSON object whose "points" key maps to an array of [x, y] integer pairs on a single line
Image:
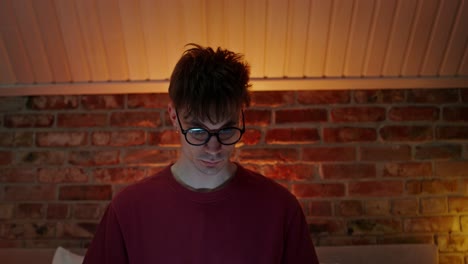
{"points": [[251, 219]]}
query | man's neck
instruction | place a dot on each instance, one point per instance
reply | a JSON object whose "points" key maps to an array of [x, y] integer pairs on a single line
{"points": [[195, 180]]}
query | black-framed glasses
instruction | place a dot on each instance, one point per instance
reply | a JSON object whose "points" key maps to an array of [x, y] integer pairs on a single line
{"points": [[198, 136]]}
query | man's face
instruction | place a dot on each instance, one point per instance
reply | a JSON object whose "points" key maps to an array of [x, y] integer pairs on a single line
{"points": [[210, 158]]}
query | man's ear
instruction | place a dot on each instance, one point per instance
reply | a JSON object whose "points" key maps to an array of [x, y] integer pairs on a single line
{"points": [[172, 114]]}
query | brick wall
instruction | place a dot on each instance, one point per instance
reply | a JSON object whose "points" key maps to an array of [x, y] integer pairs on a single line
{"points": [[380, 166]]}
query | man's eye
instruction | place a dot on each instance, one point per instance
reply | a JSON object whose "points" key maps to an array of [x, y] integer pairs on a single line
{"points": [[198, 132]]}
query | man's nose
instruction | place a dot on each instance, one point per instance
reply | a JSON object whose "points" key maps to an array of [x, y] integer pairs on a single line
{"points": [[213, 146]]}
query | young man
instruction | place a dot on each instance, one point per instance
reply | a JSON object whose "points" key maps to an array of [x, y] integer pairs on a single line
{"points": [[204, 208]]}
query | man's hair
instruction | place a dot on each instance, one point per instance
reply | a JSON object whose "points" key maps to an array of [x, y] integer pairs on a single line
{"points": [[210, 84]]}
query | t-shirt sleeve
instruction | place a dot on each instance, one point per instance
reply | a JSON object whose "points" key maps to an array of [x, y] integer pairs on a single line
{"points": [[108, 245], [299, 248]]}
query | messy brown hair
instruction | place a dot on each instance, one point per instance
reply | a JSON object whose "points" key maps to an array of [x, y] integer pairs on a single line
{"points": [[210, 84]]}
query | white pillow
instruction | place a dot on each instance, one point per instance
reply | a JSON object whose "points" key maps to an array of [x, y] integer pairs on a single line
{"points": [[63, 256]]}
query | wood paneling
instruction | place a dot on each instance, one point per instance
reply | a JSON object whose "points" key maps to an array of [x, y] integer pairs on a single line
{"points": [[44, 42]]}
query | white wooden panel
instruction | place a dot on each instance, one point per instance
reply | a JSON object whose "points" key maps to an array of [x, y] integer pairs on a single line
{"points": [[215, 23], [463, 70], [399, 37], [155, 38], [359, 37], [255, 23], [134, 40], [32, 39], [14, 44], [317, 38], [297, 30], [234, 14], [73, 40], [457, 43], [7, 76], [339, 33], [92, 39], [378, 44], [111, 30], [193, 22], [175, 39], [424, 18], [439, 37], [275, 47], [53, 42]]}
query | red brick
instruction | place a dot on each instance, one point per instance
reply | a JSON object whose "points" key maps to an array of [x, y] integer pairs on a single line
{"points": [[458, 204], [433, 95], [16, 139], [27, 230], [152, 101], [456, 113], [60, 175], [413, 113], [291, 135], [118, 175], [92, 102], [349, 134], [75, 230], [408, 206], [93, 158], [408, 169], [136, 119], [304, 190], [386, 153], [452, 132], [287, 116], [438, 151], [12, 103], [432, 224], [6, 157], [58, 211], [345, 240], [61, 139], [464, 94], [452, 243], [377, 207], [85, 192], [289, 171], [464, 223], [434, 186], [318, 154], [268, 155], [251, 137], [30, 211], [57, 102], [319, 226], [349, 208], [319, 208], [256, 117], [42, 158], [273, 98], [374, 226], [450, 258], [456, 168], [434, 205], [406, 133], [149, 156], [348, 171], [379, 96], [119, 138], [87, 211], [375, 188], [41, 192], [29, 120], [82, 120], [168, 137], [6, 211], [358, 114], [323, 97]]}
